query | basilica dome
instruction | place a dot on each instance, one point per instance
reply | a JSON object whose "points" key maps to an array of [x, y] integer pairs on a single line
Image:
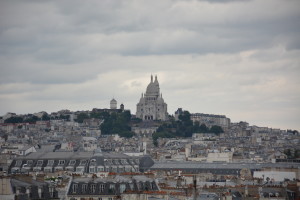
{"points": [[153, 88]]}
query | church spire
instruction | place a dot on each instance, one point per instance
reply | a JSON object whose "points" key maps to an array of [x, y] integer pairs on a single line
{"points": [[156, 81], [151, 78]]}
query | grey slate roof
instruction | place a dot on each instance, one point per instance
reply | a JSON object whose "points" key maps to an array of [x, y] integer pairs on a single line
{"points": [[109, 186], [218, 168], [115, 162], [32, 186]]}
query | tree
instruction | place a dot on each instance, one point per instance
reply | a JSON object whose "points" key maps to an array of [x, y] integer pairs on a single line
{"points": [[185, 116], [117, 123], [203, 128], [216, 130], [81, 117], [14, 120], [45, 117], [31, 119], [127, 134]]}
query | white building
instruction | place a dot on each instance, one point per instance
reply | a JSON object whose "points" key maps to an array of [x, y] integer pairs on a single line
{"points": [[152, 105], [210, 120], [113, 104]]}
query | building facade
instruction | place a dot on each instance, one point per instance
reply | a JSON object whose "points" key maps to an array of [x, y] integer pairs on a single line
{"points": [[151, 105], [79, 163], [210, 120]]}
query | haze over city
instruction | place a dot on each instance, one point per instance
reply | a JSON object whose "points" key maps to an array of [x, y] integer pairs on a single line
{"points": [[237, 58]]}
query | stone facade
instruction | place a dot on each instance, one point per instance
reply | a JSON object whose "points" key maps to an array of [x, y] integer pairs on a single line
{"points": [[151, 105]]}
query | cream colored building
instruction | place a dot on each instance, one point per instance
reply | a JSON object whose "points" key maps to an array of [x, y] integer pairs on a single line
{"points": [[151, 105]]}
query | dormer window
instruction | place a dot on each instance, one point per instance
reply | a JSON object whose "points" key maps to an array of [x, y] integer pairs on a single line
{"points": [[82, 162], [84, 188], [102, 187], [112, 187], [39, 163], [72, 162], [18, 163], [74, 188], [61, 162], [93, 162], [50, 162], [93, 188], [122, 188]]}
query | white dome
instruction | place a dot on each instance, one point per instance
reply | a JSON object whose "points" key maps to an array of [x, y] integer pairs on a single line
{"points": [[153, 88]]}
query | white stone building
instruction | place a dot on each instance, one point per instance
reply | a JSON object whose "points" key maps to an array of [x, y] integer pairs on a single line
{"points": [[151, 105], [113, 104]]}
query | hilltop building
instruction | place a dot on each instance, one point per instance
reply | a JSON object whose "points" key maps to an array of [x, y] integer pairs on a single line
{"points": [[113, 104], [151, 105]]}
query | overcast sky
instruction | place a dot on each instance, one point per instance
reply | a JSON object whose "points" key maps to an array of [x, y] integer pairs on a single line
{"points": [[239, 58]]}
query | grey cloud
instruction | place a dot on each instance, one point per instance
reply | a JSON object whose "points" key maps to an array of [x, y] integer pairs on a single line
{"points": [[230, 56]]}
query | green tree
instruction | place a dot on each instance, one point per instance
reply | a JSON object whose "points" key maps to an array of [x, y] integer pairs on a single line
{"points": [[127, 134], [117, 123], [45, 117], [216, 130], [32, 119], [203, 129], [81, 117], [14, 120]]}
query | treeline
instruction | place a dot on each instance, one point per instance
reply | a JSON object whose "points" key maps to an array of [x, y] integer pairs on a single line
{"points": [[27, 119], [292, 153], [184, 127], [117, 123]]}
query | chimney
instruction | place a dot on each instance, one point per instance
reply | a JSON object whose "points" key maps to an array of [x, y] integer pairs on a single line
{"points": [[28, 191], [17, 190], [40, 192]]}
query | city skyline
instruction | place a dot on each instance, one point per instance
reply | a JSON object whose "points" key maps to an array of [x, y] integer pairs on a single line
{"points": [[234, 58]]}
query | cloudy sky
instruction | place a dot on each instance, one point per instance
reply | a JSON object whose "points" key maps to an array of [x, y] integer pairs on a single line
{"points": [[239, 58]]}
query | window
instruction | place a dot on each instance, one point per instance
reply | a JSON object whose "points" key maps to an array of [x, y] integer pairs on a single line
{"points": [[93, 188], [39, 163], [100, 169], [112, 187], [18, 163], [61, 162], [29, 162], [51, 191], [93, 162], [131, 186], [122, 188], [75, 186], [92, 169], [79, 169], [82, 162], [72, 162], [102, 187], [84, 188], [153, 185], [50, 162]]}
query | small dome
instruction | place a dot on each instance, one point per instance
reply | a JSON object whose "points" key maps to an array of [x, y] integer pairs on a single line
{"points": [[113, 104]]}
